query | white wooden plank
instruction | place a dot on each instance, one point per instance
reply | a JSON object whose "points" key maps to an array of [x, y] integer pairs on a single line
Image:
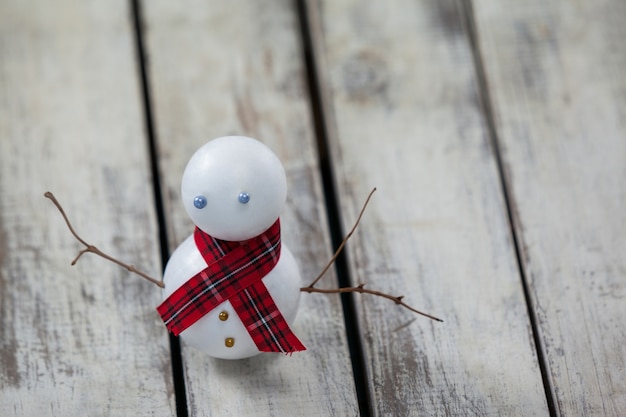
{"points": [[220, 68], [404, 115], [556, 72], [83, 340]]}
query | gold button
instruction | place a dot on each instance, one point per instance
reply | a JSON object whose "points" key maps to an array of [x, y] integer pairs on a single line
{"points": [[229, 342], [223, 316]]}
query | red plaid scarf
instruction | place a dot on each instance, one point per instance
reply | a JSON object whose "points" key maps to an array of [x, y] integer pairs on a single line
{"points": [[234, 273]]}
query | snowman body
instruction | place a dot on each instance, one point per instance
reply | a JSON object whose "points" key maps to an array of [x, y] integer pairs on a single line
{"points": [[212, 333], [233, 188]]}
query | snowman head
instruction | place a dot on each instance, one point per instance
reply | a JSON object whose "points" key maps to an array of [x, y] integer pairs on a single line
{"points": [[234, 188]]}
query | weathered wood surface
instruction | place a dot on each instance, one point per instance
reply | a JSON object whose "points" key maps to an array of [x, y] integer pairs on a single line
{"points": [[557, 76], [404, 108], [220, 68], [82, 340], [404, 114]]}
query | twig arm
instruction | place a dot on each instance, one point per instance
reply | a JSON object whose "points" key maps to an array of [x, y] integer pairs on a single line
{"points": [[362, 290], [95, 250], [343, 243]]}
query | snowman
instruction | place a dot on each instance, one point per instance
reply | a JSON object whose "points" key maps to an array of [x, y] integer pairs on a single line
{"points": [[231, 289]]}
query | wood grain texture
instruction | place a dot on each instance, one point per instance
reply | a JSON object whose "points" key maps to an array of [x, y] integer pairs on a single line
{"points": [[83, 340], [223, 68], [404, 115], [556, 74]]}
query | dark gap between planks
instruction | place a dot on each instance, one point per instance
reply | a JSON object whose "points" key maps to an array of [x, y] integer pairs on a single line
{"points": [[175, 349], [353, 335], [487, 109]]}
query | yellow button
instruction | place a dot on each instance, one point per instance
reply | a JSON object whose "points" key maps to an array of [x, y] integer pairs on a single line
{"points": [[229, 342], [223, 315]]}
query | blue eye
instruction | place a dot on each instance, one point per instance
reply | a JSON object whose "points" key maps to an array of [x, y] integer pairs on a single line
{"points": [[199, 202], [244, 197]]}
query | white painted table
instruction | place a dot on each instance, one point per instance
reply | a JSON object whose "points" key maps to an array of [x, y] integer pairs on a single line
{"points": [[494, 130]]}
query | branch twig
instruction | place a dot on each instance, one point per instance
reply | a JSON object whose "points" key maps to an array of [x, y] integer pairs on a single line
{"points": [[343, 243], [95, 250], [362, 290]]}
